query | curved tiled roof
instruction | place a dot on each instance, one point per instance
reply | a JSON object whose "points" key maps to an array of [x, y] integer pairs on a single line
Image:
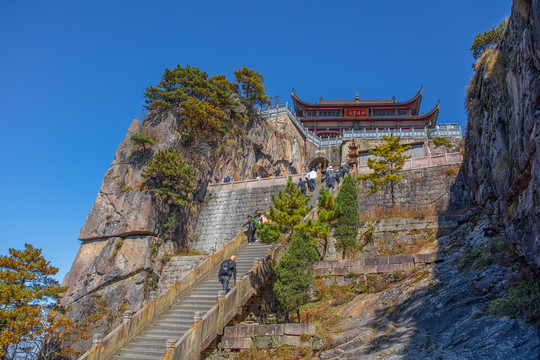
{"points": [[414, 102]]}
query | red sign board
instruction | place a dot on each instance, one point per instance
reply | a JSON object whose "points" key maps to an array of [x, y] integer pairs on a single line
{"points": [[357, 112]]}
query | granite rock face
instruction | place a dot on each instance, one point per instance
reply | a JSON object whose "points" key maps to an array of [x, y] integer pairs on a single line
{"points": [[123, 257], [431, 314], [502, 165]]}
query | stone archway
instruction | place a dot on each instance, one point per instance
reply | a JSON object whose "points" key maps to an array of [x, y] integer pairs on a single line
{"points": [[318, 160]]}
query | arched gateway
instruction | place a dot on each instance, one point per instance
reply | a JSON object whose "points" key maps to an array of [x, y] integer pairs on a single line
{"points": [[320, 160]]}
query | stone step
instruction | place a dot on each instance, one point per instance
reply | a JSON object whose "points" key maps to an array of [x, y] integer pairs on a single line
{"points": [[131, 357], [144, 354], [146, 346], [179, 321], [173, 328]]}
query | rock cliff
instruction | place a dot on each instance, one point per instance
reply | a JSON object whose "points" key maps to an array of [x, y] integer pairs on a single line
{"points": [[124, 255], [502, 165]]}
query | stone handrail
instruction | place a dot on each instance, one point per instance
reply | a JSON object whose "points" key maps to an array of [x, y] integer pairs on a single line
{"points": [[105, 347], [428, 161], [373, 265], [255, 183], [207, 326]]}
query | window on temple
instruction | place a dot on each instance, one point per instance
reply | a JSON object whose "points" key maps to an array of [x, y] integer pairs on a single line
{"points": [[328, 114], [383, 113], [311, 114], [402, 113]]}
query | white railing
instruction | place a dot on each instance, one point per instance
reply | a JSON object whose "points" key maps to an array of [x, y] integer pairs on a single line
{"points": [[445, 131]]}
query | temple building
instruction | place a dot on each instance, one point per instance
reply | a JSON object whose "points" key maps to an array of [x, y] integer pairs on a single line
{"points": [[333, 117]]}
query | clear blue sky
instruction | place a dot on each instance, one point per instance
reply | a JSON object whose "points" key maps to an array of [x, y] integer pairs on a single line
{"points": [[73, 73]]}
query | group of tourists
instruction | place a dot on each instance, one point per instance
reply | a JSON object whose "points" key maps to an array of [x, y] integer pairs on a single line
{"points": [[331, 177], [252, 223], [276, 173], [228, 267]]}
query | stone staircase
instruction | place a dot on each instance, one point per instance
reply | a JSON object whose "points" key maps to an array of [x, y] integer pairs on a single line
{"points": [[172, 324]]}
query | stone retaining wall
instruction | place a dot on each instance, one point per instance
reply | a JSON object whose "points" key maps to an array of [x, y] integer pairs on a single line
{"points": [[220, 219], [441, 186], [385, 264], [268, 336]]}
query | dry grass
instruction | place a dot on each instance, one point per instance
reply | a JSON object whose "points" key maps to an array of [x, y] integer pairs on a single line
{"points": [[421, 239], [450, 171], [374, 283], [398, 211], [184, 251]]}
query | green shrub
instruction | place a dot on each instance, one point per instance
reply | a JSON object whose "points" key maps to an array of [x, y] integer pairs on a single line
{"points": [[170, 178], [141, 140], [346, 228], [288, 209], [294, 274], [488, 39], [522, 299]]}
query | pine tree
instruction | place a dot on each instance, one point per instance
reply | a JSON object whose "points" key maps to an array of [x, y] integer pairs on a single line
{"points": [[288, 209], [488, 39], [294, 274], [181, 83], [202, 120], [327, 214], [346, 228], [170, 178], [389, 160], [251, 83], [442, 141], [32, 323], [141, 140]]}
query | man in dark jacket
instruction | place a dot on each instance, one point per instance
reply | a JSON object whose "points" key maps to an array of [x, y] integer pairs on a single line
{"points": [[226, 271], [251, 229], [338, 176], [302, 185], [330, 181]]}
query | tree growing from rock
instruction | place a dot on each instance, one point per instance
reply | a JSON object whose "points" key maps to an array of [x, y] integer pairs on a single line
{"points": [[170, 178], [389, 160], [288, 209], [488, 39], [202, 120], [346, 227], [32, 323], [251, 83], [294, 274], [141, 141]]}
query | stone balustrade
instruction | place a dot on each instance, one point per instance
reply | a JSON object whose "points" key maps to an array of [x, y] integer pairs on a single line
{"points": [[207, 326], [104, 347], [268, 336]]}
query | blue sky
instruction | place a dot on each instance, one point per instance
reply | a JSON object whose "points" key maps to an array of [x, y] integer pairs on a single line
{"points": [[73, 74]]}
